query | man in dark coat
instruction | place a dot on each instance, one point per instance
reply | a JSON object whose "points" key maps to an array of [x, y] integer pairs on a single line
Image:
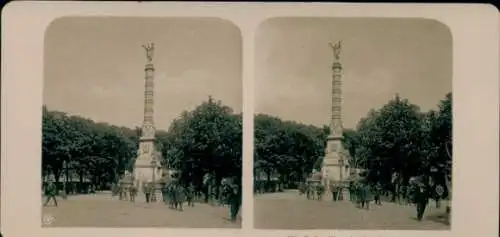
{"points": [[439, 195], [353, 192], [171, 195], [180, 197], [310, 191], [120, 191], [164, 193], [132, 192], [190, 195], [147, 191], [366, 195], [377, 193], [235, 201], [421, 198], [335, 192]]}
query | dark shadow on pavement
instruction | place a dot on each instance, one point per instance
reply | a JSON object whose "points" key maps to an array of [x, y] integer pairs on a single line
{"points": [[441, 218], [229, 220], [413, 218]]}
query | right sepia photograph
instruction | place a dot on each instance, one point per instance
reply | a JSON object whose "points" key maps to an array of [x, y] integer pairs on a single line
{"points": [[353, 124]]}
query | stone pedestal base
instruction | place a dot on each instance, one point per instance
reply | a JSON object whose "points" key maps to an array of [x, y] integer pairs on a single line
{"points": [[144, 174], [346, 195]]}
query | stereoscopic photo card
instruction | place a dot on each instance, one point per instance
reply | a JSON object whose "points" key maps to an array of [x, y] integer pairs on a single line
{"points": [[211, 119]]}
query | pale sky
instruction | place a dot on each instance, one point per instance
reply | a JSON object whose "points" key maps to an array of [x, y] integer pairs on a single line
{"points": [[94, 67], [381, 57]]}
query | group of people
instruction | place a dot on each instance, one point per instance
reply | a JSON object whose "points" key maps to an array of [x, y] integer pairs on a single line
{"points": [[312, 192], [362, 193], [417, 192], [174, 194], [316, 191]]}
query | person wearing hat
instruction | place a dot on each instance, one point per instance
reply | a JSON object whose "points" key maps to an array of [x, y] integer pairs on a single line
{"points": [[366, 195], [439, 195], [180, 196], [190, 195], [132, 192], [377, 193], [146, 189], [421, 198], [235, 201]]}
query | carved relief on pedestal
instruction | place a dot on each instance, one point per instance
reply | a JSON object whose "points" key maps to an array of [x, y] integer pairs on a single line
{"points": [[337, 130], [148, 130], [333, 147], [145, 148]]}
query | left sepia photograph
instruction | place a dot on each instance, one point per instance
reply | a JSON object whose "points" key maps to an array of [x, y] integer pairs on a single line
{"points": [[142, 123]]}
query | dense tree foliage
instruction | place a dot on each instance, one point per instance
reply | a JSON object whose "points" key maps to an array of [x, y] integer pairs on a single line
{"points": [[205, 140], [287, 149], [392, 144], [398, 142], [96, 151]]}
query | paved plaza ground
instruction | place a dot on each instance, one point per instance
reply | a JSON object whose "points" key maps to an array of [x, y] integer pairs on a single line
{"points": [[289, 210], [102, 210]]}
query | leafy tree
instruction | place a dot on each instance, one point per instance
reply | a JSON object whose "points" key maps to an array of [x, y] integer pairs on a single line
{"points": [[438, 145], [205, 140], [97, 151], [287, 148]]}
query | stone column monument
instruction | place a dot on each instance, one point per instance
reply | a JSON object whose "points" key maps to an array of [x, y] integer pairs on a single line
{"points": [[147, 168], [334, 168]]}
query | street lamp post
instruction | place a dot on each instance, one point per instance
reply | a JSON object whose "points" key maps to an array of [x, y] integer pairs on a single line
{"points": [[65, 182], [153, 194]]}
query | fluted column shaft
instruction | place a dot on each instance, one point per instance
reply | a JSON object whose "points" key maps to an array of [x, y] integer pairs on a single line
{"points": [[336, 113], [148, 124]]}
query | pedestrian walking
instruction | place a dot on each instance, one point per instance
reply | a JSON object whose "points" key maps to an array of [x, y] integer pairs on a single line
{"points": [[309, 192], [235, 202], [132, 192], [114, 190], [190, 195], [121, 191], [171, 195], [320, 191], [147, 192], [421, 198], [358, 193], [335, 192], [180, 197], [50, 193], [352, 192], [164, 193], [439, 195], [377, 193], [366, 196], [401, 194]]}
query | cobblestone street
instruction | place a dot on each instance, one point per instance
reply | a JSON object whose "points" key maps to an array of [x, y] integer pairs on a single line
{"points": [[289, 210], [102, 210]]}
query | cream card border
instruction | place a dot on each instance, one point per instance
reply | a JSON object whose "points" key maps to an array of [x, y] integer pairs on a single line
{"points": [[475, 88]]}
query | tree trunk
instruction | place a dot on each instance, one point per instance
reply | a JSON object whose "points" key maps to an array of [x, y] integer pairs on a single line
{"points": [[268, 181], [80, 185], [57, 174], [281, 182]]}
